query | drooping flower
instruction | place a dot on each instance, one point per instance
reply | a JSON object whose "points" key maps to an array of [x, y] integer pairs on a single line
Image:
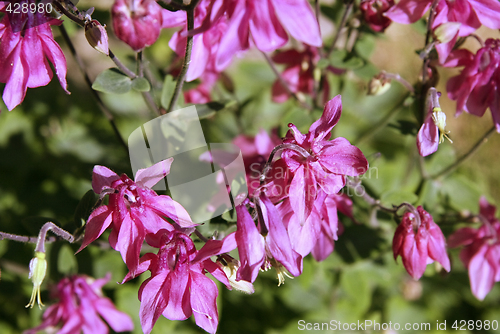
{"points": [[26, 42], [265, 245], [299, 73], [134, 210], [317, 235], [373, 10], [432, 132], [481, 254], [82, 308], [477, 87], [263, 22], [178, 287], [470, 13], [419, 244], [138, 22], [317, 162]]}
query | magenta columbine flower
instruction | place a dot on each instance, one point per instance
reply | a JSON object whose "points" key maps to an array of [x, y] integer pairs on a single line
{"points": [[477, 87], [264, 245], [263, 23], [318, 162], [481, 254], [137, 22], [82, 308], [373, 13], [470, 13], [178, 287], [133, 211], [419, 244], [26, 42]]}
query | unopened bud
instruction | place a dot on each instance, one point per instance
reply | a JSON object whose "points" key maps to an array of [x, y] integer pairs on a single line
{"points": [[38, 268], [97, 36], [446, 31], [378, 85]]}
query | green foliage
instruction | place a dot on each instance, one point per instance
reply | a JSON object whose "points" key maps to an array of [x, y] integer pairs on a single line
{"points": [[113, 81]]}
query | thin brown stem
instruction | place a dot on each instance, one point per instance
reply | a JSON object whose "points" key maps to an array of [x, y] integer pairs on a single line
{"points": [[187, 59], [467, 155], [107, 113], [342, 24]]}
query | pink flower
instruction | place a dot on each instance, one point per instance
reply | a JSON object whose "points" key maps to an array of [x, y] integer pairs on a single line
{"points": [[137, 22], [481, 254], [26, 42], [299, 73], [80, 309], [263, 22], [178, 287], [266, 245], [320, 162], [205, 43], [419, 245], [477, 87], [134, 210], [373, 10], [470, 13]]}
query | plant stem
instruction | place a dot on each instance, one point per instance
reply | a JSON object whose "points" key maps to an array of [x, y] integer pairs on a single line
{"points": [[342, 24], [464, 157], [301, 101], [121, 66], [187, 60], [107, 113], [49, 226], [382, 123]]}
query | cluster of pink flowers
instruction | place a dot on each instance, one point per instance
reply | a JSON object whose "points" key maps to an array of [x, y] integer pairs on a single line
{"points": [[481, 252], [80, 308], [26, 43]]}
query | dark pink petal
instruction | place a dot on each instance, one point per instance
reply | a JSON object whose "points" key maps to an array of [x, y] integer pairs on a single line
{"points": [[480, 99], [298, 195], [324, 245], [408, 11], [486, 209], [298, 18], [216, 271], [173, 19], [178, 306], [343, 158], [277, 238], [216, 247], [153, 295], [250, 246], [16, 85], [130, 239], [119, 321], [39, 69], [304, 235], [92, 323], [150, 176], [414, 255], [481, 274], [428, 138], [98, 222], [267, 32], [236, 37], [102, 177], [147, 262], [166, 206], [203, 301], [201, 53], [330, 117], [72, 325], [437, 246], [53, 52], [403, 229], [487, 11]]}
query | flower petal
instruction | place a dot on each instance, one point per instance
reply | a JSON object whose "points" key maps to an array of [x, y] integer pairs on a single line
{"points": [[148, 177]]}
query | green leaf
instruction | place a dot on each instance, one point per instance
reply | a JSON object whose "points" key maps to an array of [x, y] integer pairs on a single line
{"points": [[66, 262], [397, 197], [167, 91], [365, 45], [342, 59], [112, 81], [84, 208], [141, 84], [230, 216]]}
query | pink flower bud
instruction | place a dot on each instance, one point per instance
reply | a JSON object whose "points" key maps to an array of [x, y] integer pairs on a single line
{"points": [[137, 22], [419, 245], [373, 13], [97, 36]]}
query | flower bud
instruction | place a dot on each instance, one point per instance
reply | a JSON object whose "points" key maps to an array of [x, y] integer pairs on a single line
{"points": [[38, 268], [97, 36], [445, 32], [378, 85]]}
